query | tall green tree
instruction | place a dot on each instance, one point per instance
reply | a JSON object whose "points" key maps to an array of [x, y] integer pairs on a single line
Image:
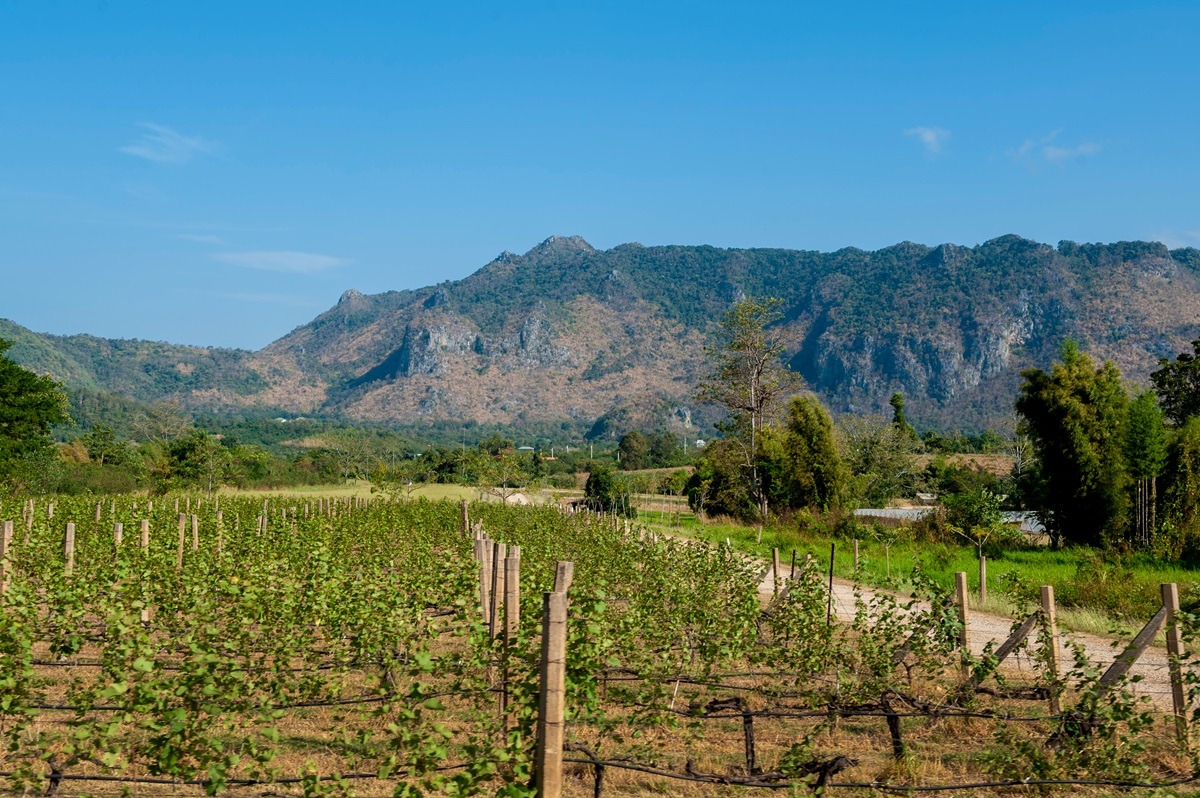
{"points": [[29, 406], [633, 450], [811, 473], [1075, 416], [1177, 384], [898, 418], [1145, 457], [748, 378], [1181, 491]]}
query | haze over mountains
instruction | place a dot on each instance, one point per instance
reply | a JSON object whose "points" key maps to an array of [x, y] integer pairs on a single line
{"points": [[568, 332]]}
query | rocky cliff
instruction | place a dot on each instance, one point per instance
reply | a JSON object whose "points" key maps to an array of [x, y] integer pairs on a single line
{"points": [[566, 331]]}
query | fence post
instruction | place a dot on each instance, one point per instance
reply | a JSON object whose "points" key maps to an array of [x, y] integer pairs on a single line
{"points": [[548, 759], [512, 595], [775, 571], [856, 554], [485, 578], [1049, 617], [1170, 598], [829, 598], [961, 596], [182, 531], [499, 551], [69, 548], [982, 580], [466, 518], [6, 539], [118, 534], [564, 572]]}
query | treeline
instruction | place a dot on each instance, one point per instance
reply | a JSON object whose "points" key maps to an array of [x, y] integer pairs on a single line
{"points": [[1112, 468]]}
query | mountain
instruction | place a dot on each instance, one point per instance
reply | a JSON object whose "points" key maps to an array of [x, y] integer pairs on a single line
{"points": [[569, 332]]}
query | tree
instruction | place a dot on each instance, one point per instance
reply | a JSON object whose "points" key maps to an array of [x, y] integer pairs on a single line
{"points": [[104, 447], [1075, 416], [633, 450], [898, 419], [1178, 385], [717, 485], [502, 475], [402, 477], [604, 492], [802, 461], [1146, 455], [1181, 490], [198, 459], [664, 449], [29, 406], [878, 457], [749, 377]]}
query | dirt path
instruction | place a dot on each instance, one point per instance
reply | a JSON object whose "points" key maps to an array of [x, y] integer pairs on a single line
{"points": [[984, 628]]}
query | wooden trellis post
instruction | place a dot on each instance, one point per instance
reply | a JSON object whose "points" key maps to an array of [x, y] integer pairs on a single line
{"points": [[961, 597], [118, 534], [548, 757], [69, 549], [1170, 599], [6, 554], [1050, 619], [495, 617], [182, 532]]}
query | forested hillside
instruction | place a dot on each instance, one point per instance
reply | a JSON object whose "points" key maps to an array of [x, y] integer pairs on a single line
{"points": [[568, 332]]}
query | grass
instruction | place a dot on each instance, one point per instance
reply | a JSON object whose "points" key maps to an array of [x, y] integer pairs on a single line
{"points": [[1096, 594]]}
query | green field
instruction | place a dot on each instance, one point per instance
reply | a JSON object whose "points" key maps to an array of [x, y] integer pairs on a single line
{"points": [[1097, 592]]}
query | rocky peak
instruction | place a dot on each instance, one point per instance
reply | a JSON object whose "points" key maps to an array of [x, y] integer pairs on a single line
{"points": [[561, 245]]}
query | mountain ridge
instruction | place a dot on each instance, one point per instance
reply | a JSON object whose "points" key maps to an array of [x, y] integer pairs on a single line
{"points": [[566, 331]]}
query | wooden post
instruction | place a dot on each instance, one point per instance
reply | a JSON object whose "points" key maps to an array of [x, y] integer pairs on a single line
{"points": [[485, 579], [564, 572], [856, 554], [98, 511], [1170, 599], [118, 534], [792, 575], [6, 539], [69, 549], [195, 533], [182, 532], [775, 571], [548, 758], [961, 596], [495, 618], [829, 601], [50, 510], [982, 580], [512, 594], [145, 536], [1050, 619], [465, 517]]}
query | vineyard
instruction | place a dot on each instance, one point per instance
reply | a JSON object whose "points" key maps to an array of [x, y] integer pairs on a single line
{"points": [[290, 647]]}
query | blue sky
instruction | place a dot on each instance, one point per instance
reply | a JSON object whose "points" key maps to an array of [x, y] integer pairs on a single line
{"points": [[218, 173]]}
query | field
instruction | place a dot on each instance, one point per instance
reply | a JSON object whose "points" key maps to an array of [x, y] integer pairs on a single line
{"points": [[296, 646]]}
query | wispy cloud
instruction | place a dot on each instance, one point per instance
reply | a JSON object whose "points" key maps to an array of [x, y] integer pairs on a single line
{"points": [[282, 261], [933, 139], [1051, 152], [203, 239], [162, 144], [1061, 155]]}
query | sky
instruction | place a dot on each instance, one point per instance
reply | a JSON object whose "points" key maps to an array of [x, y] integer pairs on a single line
{"points": [[219, 173]]}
